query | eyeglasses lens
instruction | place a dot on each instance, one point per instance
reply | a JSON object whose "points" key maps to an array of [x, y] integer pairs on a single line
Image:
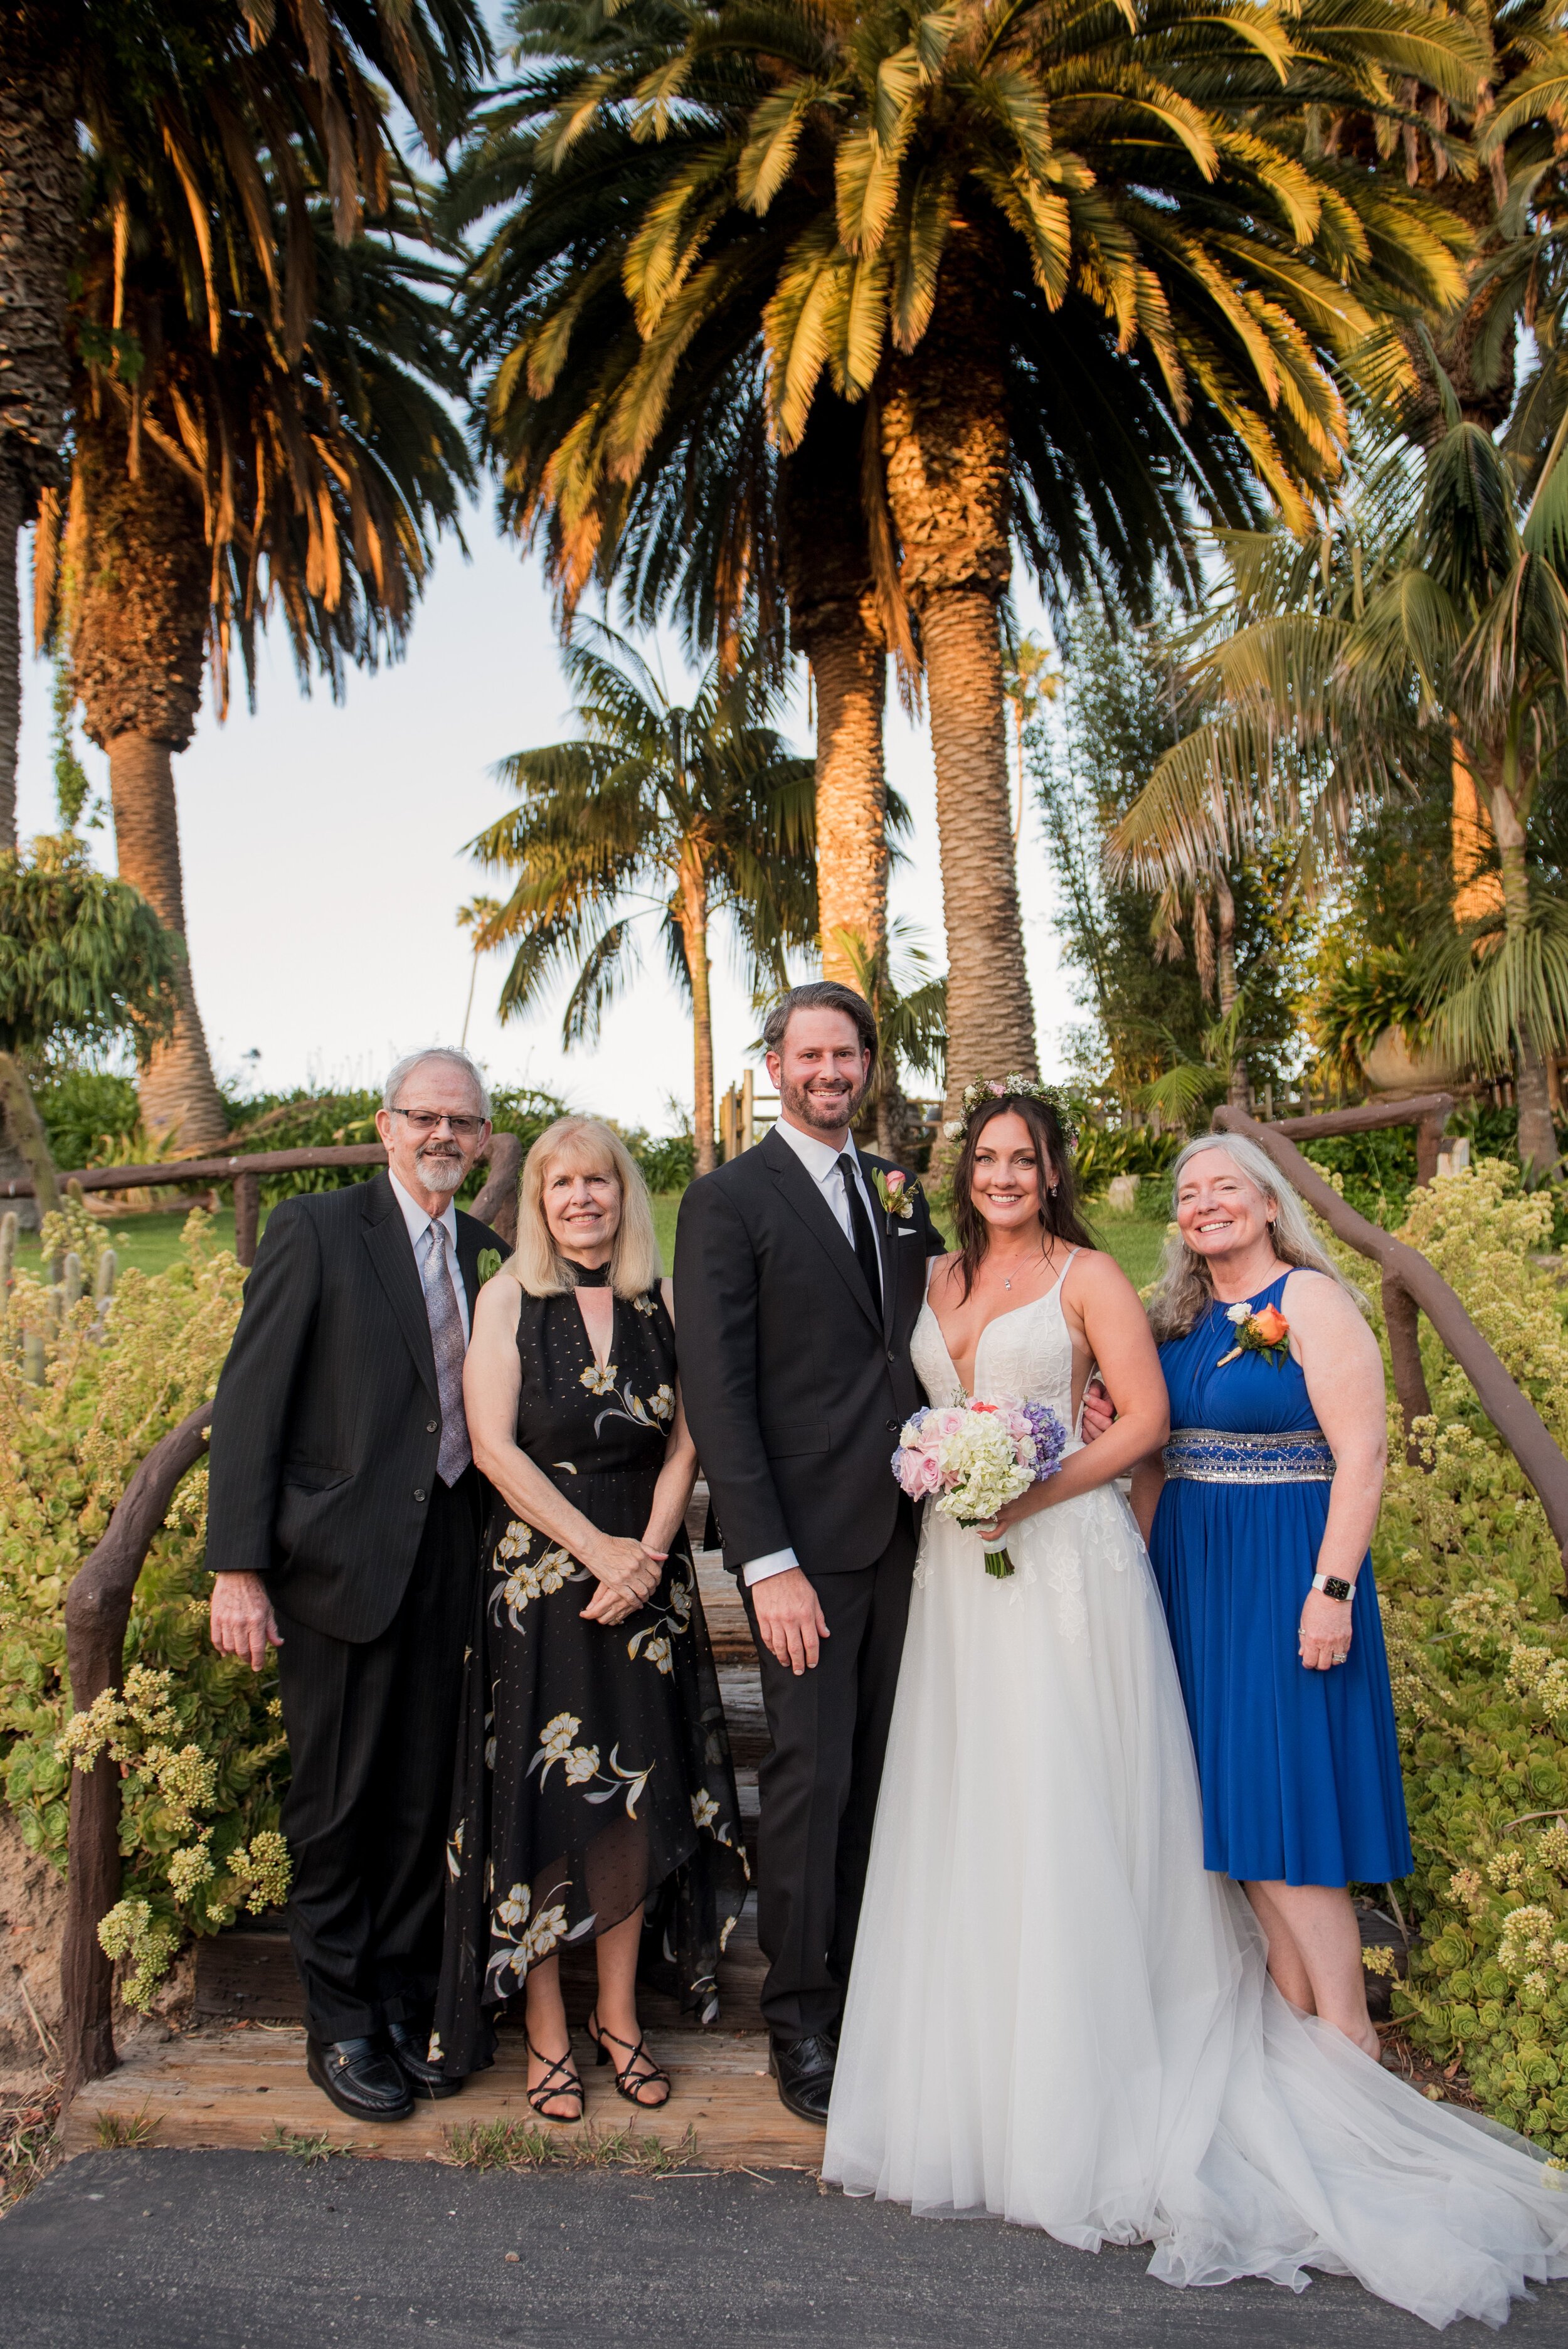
{"points": [[426, 1120]]}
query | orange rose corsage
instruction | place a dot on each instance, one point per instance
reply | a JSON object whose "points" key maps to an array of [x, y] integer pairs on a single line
{"points": [[1268, 1333]]}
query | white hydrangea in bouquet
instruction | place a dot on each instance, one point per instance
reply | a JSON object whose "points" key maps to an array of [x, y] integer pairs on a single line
{"points": [[970, 1459]]}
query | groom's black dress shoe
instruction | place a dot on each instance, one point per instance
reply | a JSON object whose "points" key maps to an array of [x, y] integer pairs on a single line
{"points": [[804, 2071], [362, 2076], [425, 2078]]}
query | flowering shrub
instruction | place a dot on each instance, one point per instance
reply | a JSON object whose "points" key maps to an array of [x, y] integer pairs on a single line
{"points": [[1471, 1581], [196, 1735]]}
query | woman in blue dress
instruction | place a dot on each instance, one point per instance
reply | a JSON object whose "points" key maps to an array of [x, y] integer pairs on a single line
{"points": [[1258, 1514]]}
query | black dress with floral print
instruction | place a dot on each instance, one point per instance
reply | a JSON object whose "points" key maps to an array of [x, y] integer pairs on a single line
{"points": [[593, 1769]]}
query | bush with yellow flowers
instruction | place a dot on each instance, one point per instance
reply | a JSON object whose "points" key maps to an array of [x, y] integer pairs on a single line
{"points": [[88, 1384]]}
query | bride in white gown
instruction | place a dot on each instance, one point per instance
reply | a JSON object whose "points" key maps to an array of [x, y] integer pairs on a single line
{"points": [[1054, 2013]]}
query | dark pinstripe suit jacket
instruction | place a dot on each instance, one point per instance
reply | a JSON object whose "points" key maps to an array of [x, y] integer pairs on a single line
{"points": [[327, 1422]]}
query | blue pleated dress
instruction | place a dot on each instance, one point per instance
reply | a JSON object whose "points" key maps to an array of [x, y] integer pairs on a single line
{"points": [[1299, 1770]]}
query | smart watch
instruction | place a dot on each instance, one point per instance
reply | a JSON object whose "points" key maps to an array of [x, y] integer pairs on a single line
{"points": [[1332, 1586]]}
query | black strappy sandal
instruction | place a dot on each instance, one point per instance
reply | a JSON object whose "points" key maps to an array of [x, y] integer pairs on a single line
{"points": [[627, 2080], [567, 2083]]}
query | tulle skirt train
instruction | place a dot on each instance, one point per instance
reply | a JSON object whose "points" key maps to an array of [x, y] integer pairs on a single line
{"points": [[1055, 2014]]}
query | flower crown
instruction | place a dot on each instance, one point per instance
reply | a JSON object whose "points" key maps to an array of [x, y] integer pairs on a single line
{"points": [[986, 1088]]}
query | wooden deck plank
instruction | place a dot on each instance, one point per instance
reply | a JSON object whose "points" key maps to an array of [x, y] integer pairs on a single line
{"points": [[238, 2087]]}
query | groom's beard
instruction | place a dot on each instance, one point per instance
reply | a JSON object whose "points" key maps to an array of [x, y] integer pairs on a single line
{"points": [[828, 1107], [441, 1169]]}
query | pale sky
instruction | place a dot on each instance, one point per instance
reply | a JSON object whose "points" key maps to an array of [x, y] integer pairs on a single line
{"points": [[324, 859]]}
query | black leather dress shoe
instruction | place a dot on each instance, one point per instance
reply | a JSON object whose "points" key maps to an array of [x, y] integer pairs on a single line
{"points": [[425, 2078], [804, 2071], [362, 2076]]}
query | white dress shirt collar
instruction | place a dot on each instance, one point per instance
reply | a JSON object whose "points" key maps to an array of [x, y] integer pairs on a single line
{"points": [[817, 1158], [419, 1219]]}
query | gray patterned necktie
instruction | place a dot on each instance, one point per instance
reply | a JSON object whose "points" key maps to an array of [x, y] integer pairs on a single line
{"points": [[446, 1339]]}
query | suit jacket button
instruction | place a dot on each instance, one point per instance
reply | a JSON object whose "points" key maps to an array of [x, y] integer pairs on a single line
{"points": [[891, 1426], [890, 1355], [431, 1427], [419, 1492]]}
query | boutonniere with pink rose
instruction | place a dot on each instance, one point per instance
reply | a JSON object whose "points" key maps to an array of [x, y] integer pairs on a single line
{"points": [[1268, 1333], [895, 1191]]}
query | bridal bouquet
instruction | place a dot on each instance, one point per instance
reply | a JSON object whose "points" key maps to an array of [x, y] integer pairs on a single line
{"points": [[972, 1458]]}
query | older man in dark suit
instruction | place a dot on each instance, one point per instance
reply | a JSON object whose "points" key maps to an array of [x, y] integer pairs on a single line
{"points": [[799, 1285], [342, 1529]]}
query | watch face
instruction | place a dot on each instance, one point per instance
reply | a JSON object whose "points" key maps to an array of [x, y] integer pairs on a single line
{"points": [[1333, 1588]]}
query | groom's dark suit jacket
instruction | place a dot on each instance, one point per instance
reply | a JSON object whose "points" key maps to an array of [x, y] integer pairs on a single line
{"points": [[327, 1419], [796, 1379]]}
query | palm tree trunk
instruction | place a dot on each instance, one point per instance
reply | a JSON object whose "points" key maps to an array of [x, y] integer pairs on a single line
{"points": [[849, 670], [990, 1010], [1476, 893], [10, 650], [694, 932], [141, 631], [1237, 1090], [1532, 1082], [831, 588], [945, 444], [178, 1092], [40, 181]]}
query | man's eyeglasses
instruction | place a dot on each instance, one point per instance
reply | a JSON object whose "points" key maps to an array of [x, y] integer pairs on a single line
{"points": [[426, 1120]]}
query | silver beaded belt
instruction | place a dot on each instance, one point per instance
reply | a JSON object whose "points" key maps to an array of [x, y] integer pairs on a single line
{"points": [[1211, 1455]]}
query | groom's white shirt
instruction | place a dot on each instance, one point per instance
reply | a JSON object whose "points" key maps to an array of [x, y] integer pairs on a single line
{"points": [[418, 1220], [820, 1161]]}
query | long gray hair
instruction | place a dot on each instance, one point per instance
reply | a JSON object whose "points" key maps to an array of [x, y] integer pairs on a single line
{"points": [[1185, 1290]]}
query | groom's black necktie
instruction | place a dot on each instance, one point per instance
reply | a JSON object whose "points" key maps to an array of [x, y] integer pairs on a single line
{"points": [[861, 1225]]}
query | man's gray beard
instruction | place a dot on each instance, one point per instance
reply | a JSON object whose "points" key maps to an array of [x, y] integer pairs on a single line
{"points": [[438, 1172], [798, 1103]]}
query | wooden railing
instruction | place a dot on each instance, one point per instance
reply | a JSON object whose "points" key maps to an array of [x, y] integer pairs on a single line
{"points": [[1428, 1113], [1411, 1286], [98, 1610], [496, 1204]]}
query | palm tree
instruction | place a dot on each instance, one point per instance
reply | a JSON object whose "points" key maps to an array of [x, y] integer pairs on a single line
{"points": [[1429, 633], [210, 486], [677, 812], [181, 100], [708, 526], [1084, 266]]}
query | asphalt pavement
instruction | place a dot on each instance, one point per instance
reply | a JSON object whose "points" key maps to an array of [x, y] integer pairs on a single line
{"points": [[148, 2250]]}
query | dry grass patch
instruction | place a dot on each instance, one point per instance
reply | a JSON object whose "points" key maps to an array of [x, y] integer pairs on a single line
{"points": [[520, 2145]]}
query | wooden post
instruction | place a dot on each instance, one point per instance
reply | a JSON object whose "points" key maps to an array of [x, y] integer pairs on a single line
{"points": [[1403, 1322], [98, 1608], [247, 1216], [497, 1203], [1429, 1141]]}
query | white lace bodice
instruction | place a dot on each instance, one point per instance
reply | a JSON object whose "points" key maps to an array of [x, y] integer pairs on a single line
{"points": [[1028, 1352]]}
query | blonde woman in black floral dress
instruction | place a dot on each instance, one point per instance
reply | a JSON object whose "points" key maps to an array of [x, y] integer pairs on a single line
{"points": [[594, 1787]]}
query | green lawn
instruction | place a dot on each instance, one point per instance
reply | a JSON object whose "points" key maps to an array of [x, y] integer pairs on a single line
{"points": [[1135, 1243], [153, 1241]]}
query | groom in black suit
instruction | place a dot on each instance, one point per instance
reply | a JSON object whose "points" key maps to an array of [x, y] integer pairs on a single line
{"points": [[342, 1529], [799, 1284]]}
